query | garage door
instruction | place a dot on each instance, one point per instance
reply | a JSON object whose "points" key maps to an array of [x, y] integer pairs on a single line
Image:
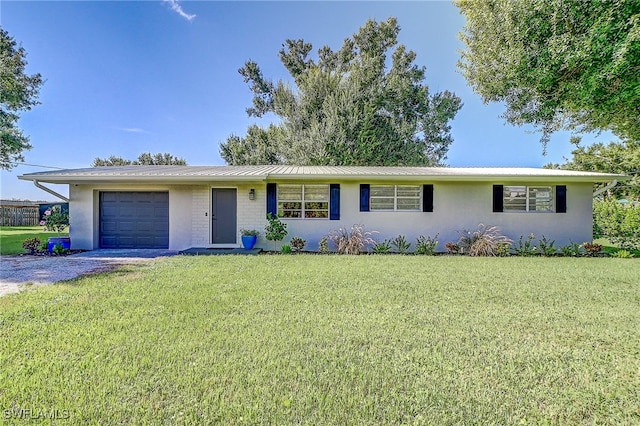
{"points": [[134, 220]]}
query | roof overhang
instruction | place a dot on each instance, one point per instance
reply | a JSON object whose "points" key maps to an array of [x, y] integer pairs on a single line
{"points": [[189, 175]]}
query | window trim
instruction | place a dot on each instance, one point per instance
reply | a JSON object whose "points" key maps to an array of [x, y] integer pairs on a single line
{"points": [[303, 201], [419, 207]]}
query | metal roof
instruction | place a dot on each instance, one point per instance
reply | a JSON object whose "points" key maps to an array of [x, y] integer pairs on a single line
{"points": [[193, 174]]}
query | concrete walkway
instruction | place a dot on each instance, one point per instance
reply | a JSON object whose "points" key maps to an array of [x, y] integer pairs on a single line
{"points": [[15, 271]]}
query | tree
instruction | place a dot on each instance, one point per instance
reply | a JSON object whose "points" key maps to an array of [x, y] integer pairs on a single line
{"points": [[18, 92], [347, 107], [617, 222], [615, 157], [112, 161], [561, 64], [144, 159], [260, 146], [275, 230]]}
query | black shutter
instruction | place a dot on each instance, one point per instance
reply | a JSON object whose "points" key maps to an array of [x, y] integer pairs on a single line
{"points": [[272, 199], [561, 198], [427, 198], [498, 198], [334, 201], [364, 197]]}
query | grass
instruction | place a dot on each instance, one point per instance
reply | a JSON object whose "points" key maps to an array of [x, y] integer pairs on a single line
{"points": [[11, 237], [330, 340]]}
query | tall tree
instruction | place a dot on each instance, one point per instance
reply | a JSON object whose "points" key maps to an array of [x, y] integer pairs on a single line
{"points": [[353, 106], [260, 146], [144, 159], [615, 157], [18, 92], [557, 64]]}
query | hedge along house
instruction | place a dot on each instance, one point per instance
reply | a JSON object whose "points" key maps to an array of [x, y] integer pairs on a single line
{"points": [[179, 207]]}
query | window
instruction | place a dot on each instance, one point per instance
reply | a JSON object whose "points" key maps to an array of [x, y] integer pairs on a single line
{"points": [[394, 197], [303, 201], [528, 199]]}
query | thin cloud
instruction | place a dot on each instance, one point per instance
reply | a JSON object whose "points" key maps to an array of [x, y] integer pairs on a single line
{"points": [[178, 9], [132, 130]]}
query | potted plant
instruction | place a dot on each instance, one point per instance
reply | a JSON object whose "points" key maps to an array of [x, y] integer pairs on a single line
{"points": [[249, 238], [56, 220]]}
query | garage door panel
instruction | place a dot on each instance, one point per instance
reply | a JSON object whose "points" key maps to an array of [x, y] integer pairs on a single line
{"points": [[110, 226], [144, 241], [108, 242], [109, 196], [147, 226], [129, 197], [156, 226], [134, 219], [127, 226], [159, 212], [109, 211], [127, 211], [126, 241], [145, 212]]}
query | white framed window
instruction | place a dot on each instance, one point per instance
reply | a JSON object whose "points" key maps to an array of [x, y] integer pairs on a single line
{"points": [[394, 198], [528, 199], [303, 201]]}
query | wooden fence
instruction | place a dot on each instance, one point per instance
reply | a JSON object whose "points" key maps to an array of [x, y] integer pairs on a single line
{"points": [[19, 216]]}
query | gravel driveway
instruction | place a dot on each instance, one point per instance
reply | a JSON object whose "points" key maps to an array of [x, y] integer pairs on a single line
{"points": [[15, 271]]}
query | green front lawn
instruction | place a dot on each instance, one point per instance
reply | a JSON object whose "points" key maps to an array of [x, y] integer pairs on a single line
{"points": [[11, 237], [331, 340]]}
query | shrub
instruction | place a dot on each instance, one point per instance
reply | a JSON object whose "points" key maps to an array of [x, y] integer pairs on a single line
{"points": [[618, 223], [525, 247], [426, 245], [401, 244], [503, 249], [591, 249], [286, 249], [275, 229], [622, 254], [249, 232], [59, 249], [55, 220], [481, 242], [452, 248], [32, 245], [297, 243], [323, 245], [546, 247], [382, 247], [571, 250], [353, 241]]}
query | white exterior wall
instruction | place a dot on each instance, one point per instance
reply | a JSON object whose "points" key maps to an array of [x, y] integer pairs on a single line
{"points": [[200, 225], [81, 217], [252, 214], [457, 206]]}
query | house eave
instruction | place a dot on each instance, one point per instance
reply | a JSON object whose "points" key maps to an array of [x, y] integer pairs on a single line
{"points": [[198, 175], [174, 180]]}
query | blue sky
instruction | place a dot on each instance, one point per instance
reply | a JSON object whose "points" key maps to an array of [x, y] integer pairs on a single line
{"points": [[126, 77]]}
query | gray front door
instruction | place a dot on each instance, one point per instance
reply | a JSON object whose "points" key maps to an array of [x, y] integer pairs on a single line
{"points": [[223, 216]]}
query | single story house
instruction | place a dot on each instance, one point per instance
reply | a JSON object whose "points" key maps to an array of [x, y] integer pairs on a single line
{"points": [[178, 207]]}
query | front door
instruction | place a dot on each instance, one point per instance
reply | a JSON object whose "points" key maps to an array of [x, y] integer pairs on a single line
{"points": [[223, 216]]}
